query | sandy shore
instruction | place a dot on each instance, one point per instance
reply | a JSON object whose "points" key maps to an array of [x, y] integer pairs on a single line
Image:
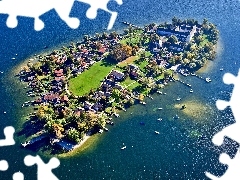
{"points": [[85, 138]]}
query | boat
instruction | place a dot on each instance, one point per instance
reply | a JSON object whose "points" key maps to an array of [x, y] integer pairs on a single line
{"points": [[160, 108], [25, 144], [116, 115], [159, 92], [100, 131], [221, 69], [124, 147], [178, 99], [157, 132], [208, 79], [13, 58], [159, 119], [106, 129], [191, 91]]}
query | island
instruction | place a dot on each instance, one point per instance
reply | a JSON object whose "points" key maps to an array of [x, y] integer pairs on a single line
{"points": [[77, 89]]}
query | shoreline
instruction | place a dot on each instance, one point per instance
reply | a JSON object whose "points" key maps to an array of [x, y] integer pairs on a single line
{"points": [[98, 110]]}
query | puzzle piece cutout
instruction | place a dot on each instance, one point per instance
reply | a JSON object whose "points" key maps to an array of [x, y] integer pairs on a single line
{"points": [[96, 5], [233, 172], [18, 176], [36, 8], [231, 131], [8, 141], [44, 170], [3, 165]]}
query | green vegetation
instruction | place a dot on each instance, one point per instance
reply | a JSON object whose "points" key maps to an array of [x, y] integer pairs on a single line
{"points": [[71, 104], [90, 79]]}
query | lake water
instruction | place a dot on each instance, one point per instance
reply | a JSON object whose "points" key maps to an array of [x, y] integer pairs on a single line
{"points": [[173, 154]]}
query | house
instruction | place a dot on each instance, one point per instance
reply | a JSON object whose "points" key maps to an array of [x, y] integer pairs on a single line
{"points": [[102, 50], [50, 97], [87, 105], [97, 106], [65, 98], [117, 75], [133, 67], [190, 36], [58, 73], [134, 74], [118, 86]]}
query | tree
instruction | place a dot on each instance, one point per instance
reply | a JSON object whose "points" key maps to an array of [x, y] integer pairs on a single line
{"points": [[172, 39], [74, 135], [120, 52], [116, 94], [168, 74], [174, 21]]}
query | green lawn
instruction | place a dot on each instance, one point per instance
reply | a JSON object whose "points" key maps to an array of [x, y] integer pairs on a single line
{"points": [[134, 39], [205, 40], [142, 65], [91, 78], [131, 84]]}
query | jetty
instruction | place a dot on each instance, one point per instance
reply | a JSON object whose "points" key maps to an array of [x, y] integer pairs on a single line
{"points": [[35, 140]]}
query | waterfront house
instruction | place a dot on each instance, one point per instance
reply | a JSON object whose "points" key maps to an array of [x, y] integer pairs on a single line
{"points": [[117, 75]]}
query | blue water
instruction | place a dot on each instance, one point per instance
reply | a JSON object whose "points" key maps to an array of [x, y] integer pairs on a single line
{"points": [[172, 154]]}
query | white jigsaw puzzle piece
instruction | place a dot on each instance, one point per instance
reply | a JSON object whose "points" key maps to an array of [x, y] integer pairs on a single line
{"points": [[35, 8], [232, 172], [18, 176], [96, 5], [3, 165], [44, 170], [231, 131], [8, 132]]}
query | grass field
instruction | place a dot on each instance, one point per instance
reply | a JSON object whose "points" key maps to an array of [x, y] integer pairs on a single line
{"points": [[129, 60], [205, 41], [91, 78], [129, 83]]}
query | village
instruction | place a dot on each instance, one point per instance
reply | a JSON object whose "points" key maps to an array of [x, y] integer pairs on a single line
{"points": [[76, 90]]}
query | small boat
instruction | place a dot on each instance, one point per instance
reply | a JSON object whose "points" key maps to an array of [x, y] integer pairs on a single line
{"points": [[116, 115], [25, 144], [221, 69], [160, 108], [159, 119], [191, 91], [106, 129], [178, 99], [100, 131], [159, 92], [124, 147], [157, 132], [208, 79], [13, 58]]}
